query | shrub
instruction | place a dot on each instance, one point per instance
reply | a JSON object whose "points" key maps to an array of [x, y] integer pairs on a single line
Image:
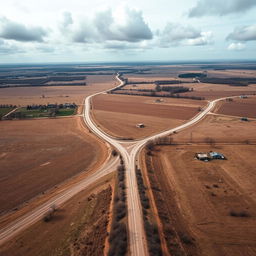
{"points": [[114, 152], [150, 145], [48, 216], [186, 239], [242, 214]]}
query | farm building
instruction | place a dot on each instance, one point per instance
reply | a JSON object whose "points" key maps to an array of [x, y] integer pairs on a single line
{"points": [[209, 156], [140, 125], [202, 157], [216, 155]]}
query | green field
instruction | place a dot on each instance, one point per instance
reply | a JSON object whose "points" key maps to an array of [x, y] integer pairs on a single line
{"points": [[37, 113], [66, 112], [4, 111]]}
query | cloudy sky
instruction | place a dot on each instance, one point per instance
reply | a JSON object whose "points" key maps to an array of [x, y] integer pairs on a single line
{"points": [[134, 30]]}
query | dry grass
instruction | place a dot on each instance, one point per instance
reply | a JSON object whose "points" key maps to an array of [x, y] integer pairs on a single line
{"points": [[222, 129], [188, 186], [77, 228], [239, 107]]}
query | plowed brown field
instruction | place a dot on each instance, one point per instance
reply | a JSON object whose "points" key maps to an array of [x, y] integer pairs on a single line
{"points": [[36, 155], [118, 114], [222, 129], [200, 197], [56, 94], [239, 107]]}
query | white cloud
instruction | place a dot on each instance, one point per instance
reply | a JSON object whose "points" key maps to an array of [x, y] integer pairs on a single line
{"points": [[16, 31], [246, 33], [205, 38], [220, 7], [236, 47], [7, 48], [177, 34], [108, 26]]}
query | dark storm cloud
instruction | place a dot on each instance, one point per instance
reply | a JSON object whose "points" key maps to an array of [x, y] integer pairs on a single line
{"points": [[105, 27], [220, 7], [246, 33], [19, 32]]}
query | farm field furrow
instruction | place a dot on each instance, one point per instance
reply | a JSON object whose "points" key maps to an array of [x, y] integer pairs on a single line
{"points": [[213, 203], [36, 155]]}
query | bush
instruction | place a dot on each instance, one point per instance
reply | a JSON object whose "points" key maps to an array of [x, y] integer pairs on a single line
{"points": [[118, 241], [150, 146], [242, 214], [186, 239], [114, 152], [48, 216]]}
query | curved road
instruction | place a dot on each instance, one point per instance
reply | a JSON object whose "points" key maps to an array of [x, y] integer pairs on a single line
{"points": [[137, 237]]}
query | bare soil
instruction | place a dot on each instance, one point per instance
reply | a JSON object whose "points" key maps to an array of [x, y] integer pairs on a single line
{"points": [[239, 107], [105, 102], [199, 198], [118, 114], [205, 90], [78, 228], [56, 94], [36, 155], [223, 129]]}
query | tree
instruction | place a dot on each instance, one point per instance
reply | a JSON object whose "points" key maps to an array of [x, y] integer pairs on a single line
{"points": [[158, 88]]}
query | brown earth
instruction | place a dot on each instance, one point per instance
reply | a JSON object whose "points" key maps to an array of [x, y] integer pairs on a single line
{"points": [[106, 103], [200, 198], [124, 125], [206, 90], [211, 95], [36, 155], [231, 73], [118, 114], [239, 107], [223, 129], [56, 94], [78, 228]]}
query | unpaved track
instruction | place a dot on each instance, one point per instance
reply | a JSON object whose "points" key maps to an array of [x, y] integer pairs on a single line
{"points": [[30, 218], [137, 237], [129, 152]]}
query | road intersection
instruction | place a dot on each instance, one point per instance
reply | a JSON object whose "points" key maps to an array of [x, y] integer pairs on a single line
{"points": [[129, 150]]}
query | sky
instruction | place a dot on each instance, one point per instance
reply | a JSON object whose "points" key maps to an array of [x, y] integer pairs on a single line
{"points": [[44, 31]]}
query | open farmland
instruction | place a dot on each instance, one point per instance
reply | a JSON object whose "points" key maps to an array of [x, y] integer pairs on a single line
{"points": [[239, 107], [119, 114], [78, 227], [231, 73], [215, 91], [56, 94], [211, 206], [223, 129], [36, 155], [218, 83]]}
